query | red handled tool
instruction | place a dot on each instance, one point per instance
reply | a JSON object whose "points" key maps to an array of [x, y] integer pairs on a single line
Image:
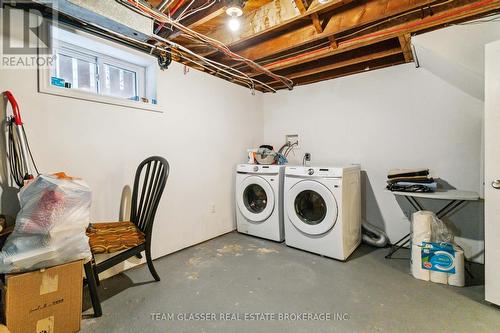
{"points": [[22, 165]]}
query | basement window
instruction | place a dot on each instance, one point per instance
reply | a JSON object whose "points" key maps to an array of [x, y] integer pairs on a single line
{"points": [[90, 68]]}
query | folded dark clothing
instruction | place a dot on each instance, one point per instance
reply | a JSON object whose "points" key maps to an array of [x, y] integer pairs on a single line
{"points": [[398, 173], [418, 179], [410, 188]]}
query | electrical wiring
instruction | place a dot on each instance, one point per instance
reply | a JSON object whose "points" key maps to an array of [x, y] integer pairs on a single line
{"points": [[341, 40], [318, 47], [393, 18], [433, 18], [229, 72], [173, 10], [289, 56], [164, 5], [270, 60], [238, 74], [160, 17], [179, 17], [196, 10]]}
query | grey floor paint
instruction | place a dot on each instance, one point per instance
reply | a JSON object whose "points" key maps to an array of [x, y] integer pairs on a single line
{"points": [[239, 274]]}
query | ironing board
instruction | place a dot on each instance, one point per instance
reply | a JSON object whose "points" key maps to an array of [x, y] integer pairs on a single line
{"points": [[454, 198]]}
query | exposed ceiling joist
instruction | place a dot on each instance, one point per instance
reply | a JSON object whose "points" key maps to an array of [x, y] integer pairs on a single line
{"points": [[405, 42], [202, 18], [276, 16], [342, 21], [349, 70], [309, 42], [344, 63]]}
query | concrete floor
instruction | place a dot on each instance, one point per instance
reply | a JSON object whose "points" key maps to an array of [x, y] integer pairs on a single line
{"points": [[238, 274]]}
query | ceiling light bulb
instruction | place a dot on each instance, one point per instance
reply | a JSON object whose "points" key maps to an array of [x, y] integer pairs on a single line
{"points": [[234, 10], [323, 1], [234, 24]]}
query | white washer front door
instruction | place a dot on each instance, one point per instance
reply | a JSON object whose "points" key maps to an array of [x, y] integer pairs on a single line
{"points": [[311, 207], [255, 199]]}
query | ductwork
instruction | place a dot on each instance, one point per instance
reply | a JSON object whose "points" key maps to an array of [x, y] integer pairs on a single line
{"points": [[111, 15], [374, 236]]}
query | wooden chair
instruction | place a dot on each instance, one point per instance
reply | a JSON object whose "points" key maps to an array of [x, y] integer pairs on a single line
{"points": [[130, 237]]}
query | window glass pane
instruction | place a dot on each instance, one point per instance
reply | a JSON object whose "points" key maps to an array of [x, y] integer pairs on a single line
{"points": [[86, 75], [81, 74], [119, 82], [65, 68]]}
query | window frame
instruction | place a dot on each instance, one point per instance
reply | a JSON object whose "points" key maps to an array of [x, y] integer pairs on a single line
{"points": [[140, 72], [145, 74]]}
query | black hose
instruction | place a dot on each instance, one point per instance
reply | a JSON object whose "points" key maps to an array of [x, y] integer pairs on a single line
{"points": [[18, 170]]}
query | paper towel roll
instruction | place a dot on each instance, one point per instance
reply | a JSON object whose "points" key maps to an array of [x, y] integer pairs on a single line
{"points": [[458, 279], [421, 226], [416, 264], [439, 277]]}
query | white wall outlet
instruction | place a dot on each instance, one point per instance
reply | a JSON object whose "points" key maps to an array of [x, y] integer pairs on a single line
{"points": [[292, 139], [211, 209]]}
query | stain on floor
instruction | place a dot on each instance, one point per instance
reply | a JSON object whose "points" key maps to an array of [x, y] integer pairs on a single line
{"points": [[365, 294]]}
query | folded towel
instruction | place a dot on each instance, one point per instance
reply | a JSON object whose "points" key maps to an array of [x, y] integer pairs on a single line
{"points": [[416, 179], [397, 173]]}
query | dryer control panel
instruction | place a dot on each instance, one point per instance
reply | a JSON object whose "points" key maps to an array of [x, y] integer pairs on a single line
{"points": [[322, 172]]}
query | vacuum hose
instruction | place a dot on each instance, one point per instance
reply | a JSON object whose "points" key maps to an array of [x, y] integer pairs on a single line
{"points": [[374, 236], [19, 152]]}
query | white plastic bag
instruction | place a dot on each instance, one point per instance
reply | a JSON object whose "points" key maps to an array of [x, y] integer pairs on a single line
{"points": [[50, 228]]}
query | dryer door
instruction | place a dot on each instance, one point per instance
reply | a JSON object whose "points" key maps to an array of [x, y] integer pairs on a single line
{"points": [[255, 199], [311, 207]]}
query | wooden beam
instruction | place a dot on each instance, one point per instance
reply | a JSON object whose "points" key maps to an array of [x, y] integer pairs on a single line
{"points": [[344, 63], [208, 17], [405, 41], [316, 22], [385, 34], [200, 18], [297, 38], [357, 16], [348, 70], [336, 76], [300, 6], [277, 15], [455, 11]]}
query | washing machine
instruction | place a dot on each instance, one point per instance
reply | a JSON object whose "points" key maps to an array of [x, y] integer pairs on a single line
{"points": [[323, 210], [259, 200]]}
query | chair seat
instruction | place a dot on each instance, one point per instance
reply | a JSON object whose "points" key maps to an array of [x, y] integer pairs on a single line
{"points": [[112, 237]]}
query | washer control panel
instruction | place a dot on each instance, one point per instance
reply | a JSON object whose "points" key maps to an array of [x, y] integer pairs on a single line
{"points": [[320, 172], [258, 169]]}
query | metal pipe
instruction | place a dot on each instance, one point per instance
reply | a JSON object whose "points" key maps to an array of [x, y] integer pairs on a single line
{"points": [[374, 236]]}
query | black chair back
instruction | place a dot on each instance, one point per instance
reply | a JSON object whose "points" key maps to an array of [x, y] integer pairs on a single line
{"points": [[150, 179]]}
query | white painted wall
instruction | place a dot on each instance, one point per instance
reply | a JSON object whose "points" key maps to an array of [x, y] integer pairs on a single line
{"points": [[396, 117], [205, 130], [456, 53], [399, 117]]}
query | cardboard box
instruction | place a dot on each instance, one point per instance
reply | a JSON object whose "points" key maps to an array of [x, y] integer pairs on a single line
{"points": [[45, 301]]}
